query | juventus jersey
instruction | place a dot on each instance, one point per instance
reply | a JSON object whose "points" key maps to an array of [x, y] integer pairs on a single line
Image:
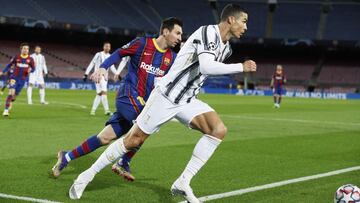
{"points": [[184, 80], [98, 59], [40, 64]]}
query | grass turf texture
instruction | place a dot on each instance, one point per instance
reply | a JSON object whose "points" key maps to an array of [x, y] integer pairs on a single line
{"points": [[264, 145]]}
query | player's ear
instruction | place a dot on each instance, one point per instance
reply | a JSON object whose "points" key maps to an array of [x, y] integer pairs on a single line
{"points": [[166, 32], [231, 20]]}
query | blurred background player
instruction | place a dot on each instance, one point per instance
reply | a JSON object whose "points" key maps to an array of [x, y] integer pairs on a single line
{"points": [[277, 82], [101, 88], [6, 81], [150, 58], [23, 65], [37, 77], [122, 69]]}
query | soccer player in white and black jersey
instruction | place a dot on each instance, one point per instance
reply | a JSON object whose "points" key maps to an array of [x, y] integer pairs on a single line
{"points": [[101, 87], [175, 97]]}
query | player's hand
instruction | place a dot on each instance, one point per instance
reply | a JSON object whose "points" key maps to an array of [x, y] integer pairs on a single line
{"points": [[98, 74], [117, 77], [1, 73], [85, 77], [249, 66]]}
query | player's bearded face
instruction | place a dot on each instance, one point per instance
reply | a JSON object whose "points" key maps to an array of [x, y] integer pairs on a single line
{"points": [[173, 37], [239, 25], [107, 48], [24, 50]]}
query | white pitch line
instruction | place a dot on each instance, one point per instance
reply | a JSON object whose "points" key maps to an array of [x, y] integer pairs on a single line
{"points": [[29, 199], [276, 184], [291, 120]]}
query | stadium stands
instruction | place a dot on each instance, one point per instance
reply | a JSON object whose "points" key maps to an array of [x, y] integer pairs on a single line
{"points": [[291, 19], [296, 20], [343, 22]]}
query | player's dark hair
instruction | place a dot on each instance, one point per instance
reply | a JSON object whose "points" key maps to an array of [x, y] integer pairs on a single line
{"points": [[37, 46], [106, 42], [169, 23], [231, 10], [24, 44]]}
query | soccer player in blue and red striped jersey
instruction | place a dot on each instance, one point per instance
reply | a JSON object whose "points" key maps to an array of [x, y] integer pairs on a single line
{"points": [[19, 68], [277, 82], [150, 59]]}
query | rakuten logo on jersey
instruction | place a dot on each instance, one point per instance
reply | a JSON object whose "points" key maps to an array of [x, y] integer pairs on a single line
{"points": [[151, 69], [22, 65]]}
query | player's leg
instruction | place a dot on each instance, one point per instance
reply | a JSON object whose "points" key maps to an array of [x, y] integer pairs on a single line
{"points": [[97, 99], [41, 83], [115, 127], [279, 97], [114, 151], [29, 93], [151, 118], [9, 98], [200, 116], [30, 87], [104, 99]]}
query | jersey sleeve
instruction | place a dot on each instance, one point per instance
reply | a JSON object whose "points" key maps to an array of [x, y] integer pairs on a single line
{"points": [[127, 50], [32, 64], [209, 42], [7, 67], [122, 64], [92, 64], [44, 65]]}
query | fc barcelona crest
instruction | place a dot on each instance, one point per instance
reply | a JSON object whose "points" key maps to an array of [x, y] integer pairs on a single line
{"points": [[167, 61]]}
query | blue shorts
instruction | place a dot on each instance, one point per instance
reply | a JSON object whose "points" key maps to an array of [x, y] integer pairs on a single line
{"points": [[278, 91], [16, 84], [127, 110]]}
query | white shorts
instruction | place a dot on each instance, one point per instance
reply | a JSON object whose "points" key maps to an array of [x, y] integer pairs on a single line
{"points": [[36, 79], [101, 86], [159, 109]]}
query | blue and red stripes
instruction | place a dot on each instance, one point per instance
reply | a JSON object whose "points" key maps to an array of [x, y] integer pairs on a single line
{"points": [[89, 145]]}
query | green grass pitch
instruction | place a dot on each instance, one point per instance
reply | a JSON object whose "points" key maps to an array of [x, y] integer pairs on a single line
{"points": [[264, 145]]}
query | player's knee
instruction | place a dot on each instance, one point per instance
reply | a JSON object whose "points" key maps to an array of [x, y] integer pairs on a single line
{"points": [[105, 139], [219, 131]]}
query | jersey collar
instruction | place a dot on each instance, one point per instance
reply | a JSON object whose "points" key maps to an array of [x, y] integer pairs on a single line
{"points": [[157, 46], [24, 56]]}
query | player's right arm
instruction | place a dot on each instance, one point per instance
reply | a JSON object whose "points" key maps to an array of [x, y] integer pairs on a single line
{"points": [[208, 45], [90, 66], [272, 83], [127, 50]]}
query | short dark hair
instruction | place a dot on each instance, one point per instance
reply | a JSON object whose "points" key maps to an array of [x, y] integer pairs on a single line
{"points": [[37, 46], [106, 42], [169, 23], [24, 44], [231, 10]]}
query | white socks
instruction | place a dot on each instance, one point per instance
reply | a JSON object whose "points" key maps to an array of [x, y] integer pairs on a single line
{"points": [[96, 102], [203, 150], [114, 151], [29, 95], [103, 99], [42, 95], [105, 102]]}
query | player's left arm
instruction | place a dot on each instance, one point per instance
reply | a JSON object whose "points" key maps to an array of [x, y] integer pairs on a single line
{"points": [[127, 50], [32, 65], [284, 79], [44, 66]]}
